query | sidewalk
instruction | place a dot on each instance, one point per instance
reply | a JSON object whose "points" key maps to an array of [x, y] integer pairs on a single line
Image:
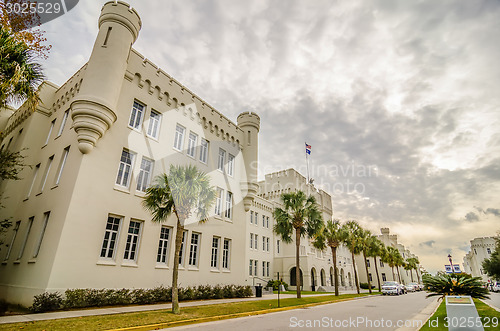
{"points": [[131, 309]]}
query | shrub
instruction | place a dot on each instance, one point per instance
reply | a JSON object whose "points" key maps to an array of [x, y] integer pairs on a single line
{"points": [[455, 284], [118, 297], [46, 302], [228, 291], [217, 292], [162, 294], [203, 292], [242, 291], [3, 307], [365, 286], [276, 283], [186, 293], [142, 296], [75, 298]]}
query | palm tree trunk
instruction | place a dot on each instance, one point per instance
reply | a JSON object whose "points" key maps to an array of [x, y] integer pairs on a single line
{"points": [[376, 271], [335, 271], [399, 275], [367, 275], [175, 272], [297, 262], [355, 272], [393, 277], [418, 277], [411, 275]]}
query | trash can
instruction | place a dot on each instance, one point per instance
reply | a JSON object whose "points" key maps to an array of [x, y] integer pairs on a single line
{"points": [[258, 291]]}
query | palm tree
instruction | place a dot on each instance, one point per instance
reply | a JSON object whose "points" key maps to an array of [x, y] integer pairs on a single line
{"points": [[410, 265], [184, 191], [400, 262], [416, 266], [364, 243], [376, 248], [352, 242], [299, 213], [331, 235], [20, 75], [391, 259]]}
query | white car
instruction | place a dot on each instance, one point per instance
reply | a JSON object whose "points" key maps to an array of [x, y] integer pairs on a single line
{"points": [[496, 287], [410, 288], [417, 286], [392, 288]]}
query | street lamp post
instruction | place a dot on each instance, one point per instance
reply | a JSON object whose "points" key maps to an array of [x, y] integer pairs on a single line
{"points": [[451, 263]]}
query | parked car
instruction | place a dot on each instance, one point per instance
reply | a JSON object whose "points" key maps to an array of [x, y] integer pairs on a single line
{"points": [[417, 286], [496, 287], [392, 288], [410, 288]]}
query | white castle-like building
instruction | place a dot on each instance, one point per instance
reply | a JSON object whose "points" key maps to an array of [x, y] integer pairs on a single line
{"points": [[480, 249], [96, 143]]}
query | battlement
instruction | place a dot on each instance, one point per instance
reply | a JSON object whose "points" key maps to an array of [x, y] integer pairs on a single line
{"points": [[249, 119], [123, 13]]}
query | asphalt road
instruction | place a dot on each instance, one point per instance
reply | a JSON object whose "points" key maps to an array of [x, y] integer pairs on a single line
{"points": [[374, 313], [494, 300]]}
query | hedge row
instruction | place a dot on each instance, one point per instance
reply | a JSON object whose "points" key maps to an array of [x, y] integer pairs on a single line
{"points": [[81, 298]]}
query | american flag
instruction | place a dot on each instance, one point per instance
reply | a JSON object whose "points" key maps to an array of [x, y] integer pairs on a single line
{"points": [[308, 149]]}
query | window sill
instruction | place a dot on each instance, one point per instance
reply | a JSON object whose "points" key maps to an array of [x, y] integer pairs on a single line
{"points": [[38, 194], [215, 270], [55, 186], [17, 262], [153, 138], [140, 194], [161, 266], [105, 262], [25, 199], [130, 264], [4, 263], [121, 189], [134, 129], [31, 261], [192, 268], [227, 271]]}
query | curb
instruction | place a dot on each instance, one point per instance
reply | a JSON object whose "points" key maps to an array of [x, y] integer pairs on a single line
{"points": [[229, 316], [489, 305]]}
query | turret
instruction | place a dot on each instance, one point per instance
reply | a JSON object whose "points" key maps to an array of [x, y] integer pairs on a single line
{"points": [[94, 109], [250, 124]]}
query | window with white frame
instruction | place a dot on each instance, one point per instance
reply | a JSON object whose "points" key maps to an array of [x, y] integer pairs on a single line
{"points": [[256, 218], [154, 124], [125, 169], [133, 236], [63, 123], [251, 217], [251, 240], [181, 252], [267, 244], [214, 260], [179, 137], [42, 234], [263, 221], [381, 263], [162, 256], [46, 173], [226, 253], [144, 178], [35, 174], [230, 165], [14, 235], [368, 263], [267, 222], [488, 250], [110, 237], [52, 124], [64, 157], [268, 266], [218, 201], [26, 237], [256, 240], [136, 115], [193, 250], [229, 205], [255, 263], [277, 246], [221, 159], [384, 278], [250, 268], [204, 150], [192, 141], [263, 268], [263, 243]]}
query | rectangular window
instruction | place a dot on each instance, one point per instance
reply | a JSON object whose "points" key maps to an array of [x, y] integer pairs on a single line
{"points": [[214, 260], [256, 218], [250, 268], [179, 137], [268, 267], [267, 222], [488, 250], [368, 263], [381, 263], [263, 221], [136, 115], [256, 240], [218, 201], [124, 169], [35, 173], [193, 250], [52, 124], [26, 236], [263, 243], [251, 217], [42, 233], [230, 165], [192, 141], [229, 205], [63, 123], [162, 256], [383, 277], [204, 151], [267, 244], [144, 177], [110, 237], [225, 253], [131, 248], [14, 235], [251, 240], [263, 268], [46, 174], [221, 159], [277, 246], [181, 252], [255, 263], [370, 276], [154, 124], [64, 157]]}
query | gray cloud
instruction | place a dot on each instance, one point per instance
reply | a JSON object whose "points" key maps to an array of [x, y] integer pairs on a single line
{"points": [[471, 217], [429, 243]]}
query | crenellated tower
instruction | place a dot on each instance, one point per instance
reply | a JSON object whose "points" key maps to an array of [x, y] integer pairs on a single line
{"points": [[250, 124], [94, 110]]}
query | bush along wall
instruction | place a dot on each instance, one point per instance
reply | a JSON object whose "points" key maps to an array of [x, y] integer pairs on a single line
{"points": [[82, 298]]}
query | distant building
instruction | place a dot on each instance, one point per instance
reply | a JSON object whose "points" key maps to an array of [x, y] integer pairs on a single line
{"points": [[480, 249]]}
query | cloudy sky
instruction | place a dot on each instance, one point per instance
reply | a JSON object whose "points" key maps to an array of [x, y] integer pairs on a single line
{"points": [[399, 99]]}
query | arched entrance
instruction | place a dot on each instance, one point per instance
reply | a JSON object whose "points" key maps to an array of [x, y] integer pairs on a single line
{"points": [[313, 279], [322, 277], [342, 277], [293, 278]]}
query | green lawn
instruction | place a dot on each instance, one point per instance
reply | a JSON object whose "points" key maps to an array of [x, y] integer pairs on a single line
{"points": [[487, 314], [302, 292], [165, 317]]}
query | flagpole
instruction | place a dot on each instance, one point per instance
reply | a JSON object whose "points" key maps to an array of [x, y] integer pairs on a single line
{"points": [[307, 164]]}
